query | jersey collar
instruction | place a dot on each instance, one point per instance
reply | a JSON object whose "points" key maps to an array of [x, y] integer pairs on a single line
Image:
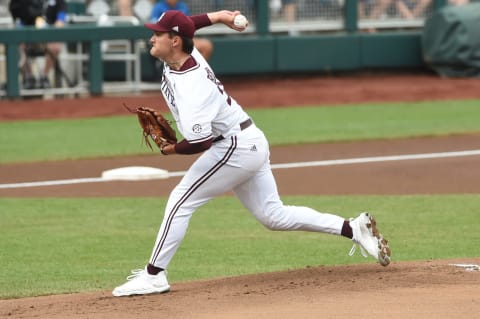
{"points": [[189, 64]]}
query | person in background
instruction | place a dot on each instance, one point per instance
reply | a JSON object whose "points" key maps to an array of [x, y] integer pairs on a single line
{"points": [[125, 7], [115, 7], [36, 13], [290, 10], [411, 9], [286, 10], [373, 9], [3, 13], [203, 45], [458, 2]]}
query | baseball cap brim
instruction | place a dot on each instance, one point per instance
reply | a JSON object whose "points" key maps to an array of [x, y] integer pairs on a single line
{"points": [[155, 27]]}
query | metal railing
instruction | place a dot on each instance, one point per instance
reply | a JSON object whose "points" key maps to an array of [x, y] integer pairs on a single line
{"points": [[73, 62]]}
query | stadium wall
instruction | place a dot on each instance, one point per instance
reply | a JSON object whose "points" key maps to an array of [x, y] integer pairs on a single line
{"points": [[341, 52]]}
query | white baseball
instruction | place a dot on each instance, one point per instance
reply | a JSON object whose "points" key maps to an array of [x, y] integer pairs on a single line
{"points": [[240, 21]]}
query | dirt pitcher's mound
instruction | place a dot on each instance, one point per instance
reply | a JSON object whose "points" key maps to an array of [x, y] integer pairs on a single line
{"points": [[428, 289]]}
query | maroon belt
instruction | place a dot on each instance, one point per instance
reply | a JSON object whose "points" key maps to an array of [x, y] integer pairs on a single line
{"points": [[243, 126]]}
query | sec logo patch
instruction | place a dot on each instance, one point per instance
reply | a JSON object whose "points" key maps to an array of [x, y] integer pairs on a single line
{"points": [[197, 128]]}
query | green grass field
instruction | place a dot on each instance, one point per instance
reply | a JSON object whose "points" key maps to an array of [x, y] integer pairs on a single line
{"points": [[57, 245], [27, 141], [70, 245]]}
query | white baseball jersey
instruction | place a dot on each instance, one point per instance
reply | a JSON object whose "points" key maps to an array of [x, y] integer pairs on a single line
{"points": [[199, 104], [238, 163]]}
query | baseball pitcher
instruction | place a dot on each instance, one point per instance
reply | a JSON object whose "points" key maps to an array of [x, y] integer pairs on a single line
{"points": [[235, 155]]}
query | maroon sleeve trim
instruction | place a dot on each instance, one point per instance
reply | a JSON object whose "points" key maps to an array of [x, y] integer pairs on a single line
{"points": [[201, 20], [186, 148]]}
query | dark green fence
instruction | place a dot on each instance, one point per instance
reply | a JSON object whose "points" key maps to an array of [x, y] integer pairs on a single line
{"points": [[260, 53]]}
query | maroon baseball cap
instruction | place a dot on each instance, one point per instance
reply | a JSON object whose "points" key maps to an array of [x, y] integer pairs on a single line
{"points": [[174, 20]]}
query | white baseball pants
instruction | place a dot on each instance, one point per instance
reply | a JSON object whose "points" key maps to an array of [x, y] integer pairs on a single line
{"points": [[241, 164]]}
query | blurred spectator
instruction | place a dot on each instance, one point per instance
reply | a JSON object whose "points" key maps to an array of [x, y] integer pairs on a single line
{"points": [[97, 7], [3, 13], [165, 5], [411, 9], [205, 46], [143, 9], [288, 10], [275, 8], [139, 8], [458, 2], [4, 8], [373, 9], [125, 7], [37, 13]]}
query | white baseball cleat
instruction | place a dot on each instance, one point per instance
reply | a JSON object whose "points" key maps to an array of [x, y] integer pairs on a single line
{"points": [[367, 236], [141, 283]]}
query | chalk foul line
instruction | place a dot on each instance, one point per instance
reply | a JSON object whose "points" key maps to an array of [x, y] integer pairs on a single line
{"points": [[360, 160]]}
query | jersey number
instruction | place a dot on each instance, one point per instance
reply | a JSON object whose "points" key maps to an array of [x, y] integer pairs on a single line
{"points": [[219, 84]]}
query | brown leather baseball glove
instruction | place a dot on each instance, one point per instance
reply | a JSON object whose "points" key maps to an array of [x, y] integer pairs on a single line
{"points": [[154, 125]]}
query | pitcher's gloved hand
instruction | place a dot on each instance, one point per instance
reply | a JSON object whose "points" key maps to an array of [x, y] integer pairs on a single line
{"points": [[154, 125]]}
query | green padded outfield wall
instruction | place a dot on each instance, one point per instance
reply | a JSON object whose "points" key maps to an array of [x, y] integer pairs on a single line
{"points": [[320, 53], [391, 50], [244, 55]]}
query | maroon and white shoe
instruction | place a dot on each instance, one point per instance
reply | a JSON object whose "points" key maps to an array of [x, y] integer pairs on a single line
{"points": [[368, 237]]}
